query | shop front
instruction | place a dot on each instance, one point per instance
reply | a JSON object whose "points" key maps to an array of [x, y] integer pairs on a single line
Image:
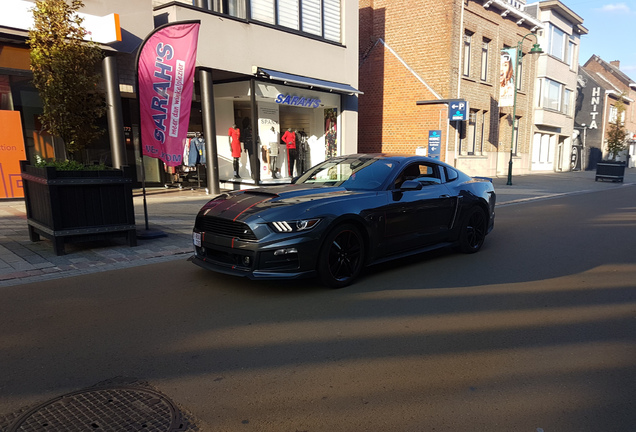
{"points": [[296, 128]]}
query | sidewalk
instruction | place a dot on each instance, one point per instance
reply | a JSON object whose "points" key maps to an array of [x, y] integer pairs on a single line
{"points": [[173, 211]]}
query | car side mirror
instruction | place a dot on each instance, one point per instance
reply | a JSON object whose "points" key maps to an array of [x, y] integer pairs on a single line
{"points": [[411, 185]]}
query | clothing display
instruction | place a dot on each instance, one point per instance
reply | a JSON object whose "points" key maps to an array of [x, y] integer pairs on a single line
{"points": [[289, 138], [235, 141], [196, 153], [302, 148]]}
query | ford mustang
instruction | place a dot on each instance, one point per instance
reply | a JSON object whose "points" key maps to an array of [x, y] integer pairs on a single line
{"points": [[342, 215]]}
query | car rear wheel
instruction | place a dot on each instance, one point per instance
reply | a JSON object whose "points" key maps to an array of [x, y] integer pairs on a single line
{"points": [[473, 231], [341, 256]]}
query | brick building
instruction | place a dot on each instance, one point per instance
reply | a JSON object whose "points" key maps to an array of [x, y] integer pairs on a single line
{"points": [[600, 85], [435, 51]]}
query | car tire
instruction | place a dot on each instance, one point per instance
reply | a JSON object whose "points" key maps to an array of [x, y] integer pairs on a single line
{"points": [[341, 256], [473, 231]]}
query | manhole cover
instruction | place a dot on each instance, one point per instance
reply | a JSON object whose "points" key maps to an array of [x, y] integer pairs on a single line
{"points": [[103, 410]]}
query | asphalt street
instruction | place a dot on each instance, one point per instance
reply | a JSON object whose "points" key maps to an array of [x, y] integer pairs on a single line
{"points": [[536, 332]]}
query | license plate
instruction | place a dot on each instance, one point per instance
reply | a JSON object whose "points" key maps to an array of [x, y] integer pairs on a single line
{"points": [[196, 239]]}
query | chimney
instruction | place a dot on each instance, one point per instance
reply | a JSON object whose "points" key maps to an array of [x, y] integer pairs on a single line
{"points": [[616, 64]]}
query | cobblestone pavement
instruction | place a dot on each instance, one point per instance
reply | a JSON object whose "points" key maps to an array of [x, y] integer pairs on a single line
{"points": [[173, 211]]}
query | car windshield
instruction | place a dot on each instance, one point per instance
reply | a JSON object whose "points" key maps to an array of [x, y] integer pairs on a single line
{"points": [[353, 173]]}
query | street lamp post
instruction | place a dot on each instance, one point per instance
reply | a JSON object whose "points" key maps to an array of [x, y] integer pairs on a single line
{"points": [[536, 49]]}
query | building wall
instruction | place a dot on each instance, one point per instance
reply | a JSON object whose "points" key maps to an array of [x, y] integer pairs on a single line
{"points": [[236, 46], [557, 125], [412, 51], [621, 83], [398, 61]]}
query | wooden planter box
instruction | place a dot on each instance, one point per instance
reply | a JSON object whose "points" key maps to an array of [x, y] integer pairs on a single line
{"points": [[614, 171], [75, 206]]}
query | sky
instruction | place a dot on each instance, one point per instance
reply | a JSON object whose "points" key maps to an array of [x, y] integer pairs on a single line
{"points": [[611, 31]]}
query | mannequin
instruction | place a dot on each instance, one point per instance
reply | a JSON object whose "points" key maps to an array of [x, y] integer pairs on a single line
{"points": [[234, 135], [289, 138], [272, 151]]}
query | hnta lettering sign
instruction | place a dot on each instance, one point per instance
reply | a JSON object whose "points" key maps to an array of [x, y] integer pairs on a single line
{"points": [[298, 101]]}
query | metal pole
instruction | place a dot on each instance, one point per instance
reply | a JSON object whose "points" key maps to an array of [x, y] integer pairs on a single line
{"points": [[209, 132], [514, 112], [114, 112]]}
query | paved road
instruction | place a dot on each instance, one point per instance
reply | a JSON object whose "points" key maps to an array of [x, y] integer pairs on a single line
{"points": [[172, 211], [536, 332]]}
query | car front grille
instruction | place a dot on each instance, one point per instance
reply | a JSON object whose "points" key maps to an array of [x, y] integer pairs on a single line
{"points": [[224, 227]]}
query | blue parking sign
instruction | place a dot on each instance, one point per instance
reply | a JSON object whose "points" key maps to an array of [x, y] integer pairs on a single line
{"points": [[458, 110]]}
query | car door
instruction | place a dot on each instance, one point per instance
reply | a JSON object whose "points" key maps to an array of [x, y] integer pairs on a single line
{"points": [[421, 213]]}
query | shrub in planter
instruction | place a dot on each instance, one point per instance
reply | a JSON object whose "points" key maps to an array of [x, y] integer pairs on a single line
{"points": [[78, 205]]}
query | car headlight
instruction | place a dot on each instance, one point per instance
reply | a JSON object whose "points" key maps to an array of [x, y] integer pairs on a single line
{"points": [[294, 226]]}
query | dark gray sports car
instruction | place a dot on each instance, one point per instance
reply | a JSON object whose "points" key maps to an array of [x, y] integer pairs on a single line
{"points": [[343, 214]]}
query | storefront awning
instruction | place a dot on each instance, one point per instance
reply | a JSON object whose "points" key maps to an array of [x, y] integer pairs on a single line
{"points": [[312, 83]]}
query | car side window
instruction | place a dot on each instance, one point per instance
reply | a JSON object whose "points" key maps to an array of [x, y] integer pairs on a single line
{"points": [[419, 171], [451, 174]]}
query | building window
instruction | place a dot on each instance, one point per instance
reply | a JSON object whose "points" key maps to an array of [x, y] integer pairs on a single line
{"points": [[320, 18], [466, 58], [515, 142], [567, 102], [471, 135], [482, 134], [484, 59], [519, 71], [235, 8], [570, 60], [263, 11], [288, 14], [552, 94], [556, 42]]}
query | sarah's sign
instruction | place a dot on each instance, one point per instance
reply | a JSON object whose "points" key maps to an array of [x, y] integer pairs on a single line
{"points": [[299, 101]]}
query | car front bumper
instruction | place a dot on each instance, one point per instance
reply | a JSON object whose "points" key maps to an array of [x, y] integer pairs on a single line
{"points": [[289, 257]]}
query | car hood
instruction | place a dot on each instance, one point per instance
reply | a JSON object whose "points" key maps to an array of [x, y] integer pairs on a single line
{"points": [[270, 202]]}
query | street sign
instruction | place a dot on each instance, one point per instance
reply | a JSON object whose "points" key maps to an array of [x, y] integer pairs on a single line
{"points": [[458, 110], [434, 141]]}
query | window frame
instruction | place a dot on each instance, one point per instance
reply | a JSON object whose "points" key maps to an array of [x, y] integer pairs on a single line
{"points": [[485, 48], [467, 45], [327, 14]]}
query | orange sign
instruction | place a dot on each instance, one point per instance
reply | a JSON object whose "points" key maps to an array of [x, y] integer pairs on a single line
{"points": [[11, 153]]}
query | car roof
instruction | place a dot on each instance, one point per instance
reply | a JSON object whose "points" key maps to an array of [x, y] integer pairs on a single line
{"points": [[401, 158]]}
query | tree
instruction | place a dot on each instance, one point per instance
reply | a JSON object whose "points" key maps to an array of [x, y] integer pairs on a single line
{"points": [[66, 74], [616, 131]]}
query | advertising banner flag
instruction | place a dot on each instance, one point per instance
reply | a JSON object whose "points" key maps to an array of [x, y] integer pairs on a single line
{"points": [[165, 74], [507, 77]]}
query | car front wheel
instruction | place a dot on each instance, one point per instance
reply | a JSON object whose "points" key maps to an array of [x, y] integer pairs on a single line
{"points": [[341, 256], [473, 231]]}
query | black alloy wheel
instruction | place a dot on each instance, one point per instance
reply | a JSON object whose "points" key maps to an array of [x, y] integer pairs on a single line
{"points": [[341, 256], [473, 232]]}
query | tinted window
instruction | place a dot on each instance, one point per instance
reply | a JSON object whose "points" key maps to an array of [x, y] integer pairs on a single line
{"points": [[451, 174], [350, 173]]}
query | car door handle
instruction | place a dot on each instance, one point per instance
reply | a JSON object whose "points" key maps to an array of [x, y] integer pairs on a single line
{"points": [[445, 196]]}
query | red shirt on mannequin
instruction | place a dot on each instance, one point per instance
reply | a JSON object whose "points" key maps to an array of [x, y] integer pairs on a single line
{"points": [[235, 135], [289, 138]]}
